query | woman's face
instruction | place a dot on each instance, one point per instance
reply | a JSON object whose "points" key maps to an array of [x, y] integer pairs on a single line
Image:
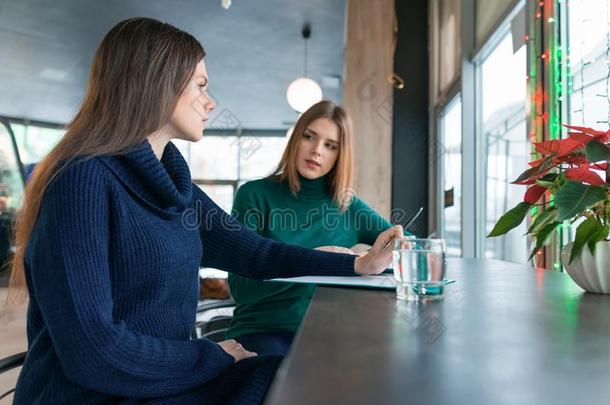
{"points": [[318, 148], [193, 108]]}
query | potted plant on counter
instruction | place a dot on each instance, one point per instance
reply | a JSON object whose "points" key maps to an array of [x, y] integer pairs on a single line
{"points": [[576, 172]]}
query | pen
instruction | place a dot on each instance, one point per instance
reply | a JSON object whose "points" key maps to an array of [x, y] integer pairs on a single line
{"points": [[408, 223], [413, 218]]}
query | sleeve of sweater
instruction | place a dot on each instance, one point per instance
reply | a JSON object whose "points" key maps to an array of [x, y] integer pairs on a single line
{"points": [[70, 278], [370, 223], [247, 211], [230, 246]]}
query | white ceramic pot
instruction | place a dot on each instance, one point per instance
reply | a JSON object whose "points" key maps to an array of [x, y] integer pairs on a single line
{"points": [[590, 272]]}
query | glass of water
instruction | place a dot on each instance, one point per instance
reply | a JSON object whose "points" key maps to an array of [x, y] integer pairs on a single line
{"points": [[419, 268]]}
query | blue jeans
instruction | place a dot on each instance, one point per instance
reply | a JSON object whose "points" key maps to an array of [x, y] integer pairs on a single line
{"points": [[275, 343]]}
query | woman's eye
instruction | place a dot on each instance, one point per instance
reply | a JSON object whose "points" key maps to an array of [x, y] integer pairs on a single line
{"points": [[331, 146], [306, 136]]}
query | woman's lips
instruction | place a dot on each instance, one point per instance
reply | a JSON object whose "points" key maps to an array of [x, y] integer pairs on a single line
{"points": [[312, 164]]}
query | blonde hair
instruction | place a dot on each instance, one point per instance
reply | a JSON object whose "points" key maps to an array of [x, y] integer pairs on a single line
{"points": [[341, 177]]}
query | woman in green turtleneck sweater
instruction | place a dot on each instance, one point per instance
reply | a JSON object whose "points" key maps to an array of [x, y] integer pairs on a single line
{"points": [[308, 201]]}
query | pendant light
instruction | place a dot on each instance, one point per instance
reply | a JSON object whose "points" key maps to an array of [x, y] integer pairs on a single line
{"points": [[303, 92]]}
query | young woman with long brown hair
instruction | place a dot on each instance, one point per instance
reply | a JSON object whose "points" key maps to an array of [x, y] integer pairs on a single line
{"points": [[308, 201], [112, 233]]}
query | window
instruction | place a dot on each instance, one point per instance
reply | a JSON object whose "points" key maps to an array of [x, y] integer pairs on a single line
{"points": [[504, 144], [34, 142], [451, 147], [588, 80], [220, 163], [11, 180]]}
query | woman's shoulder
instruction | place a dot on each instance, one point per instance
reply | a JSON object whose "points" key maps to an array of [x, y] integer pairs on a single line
{"points": [[262, 194], [80, 173], [356, 204], [77, 184], [260, 187]]}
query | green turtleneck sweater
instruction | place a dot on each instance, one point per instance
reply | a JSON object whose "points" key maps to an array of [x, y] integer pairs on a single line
{"points": [[311, 219]]}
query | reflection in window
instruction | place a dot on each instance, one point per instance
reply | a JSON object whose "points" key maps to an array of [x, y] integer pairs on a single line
{"points": [[451, 147], [588, 64], [503, 92]]}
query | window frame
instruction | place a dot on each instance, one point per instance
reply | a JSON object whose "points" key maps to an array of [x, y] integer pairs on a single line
{"points": [[453, 96], [502, 29], [7, 124]]}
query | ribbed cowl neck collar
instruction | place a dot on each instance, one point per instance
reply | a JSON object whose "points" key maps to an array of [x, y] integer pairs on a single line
{"points": [[164, 185], [313, 188]]}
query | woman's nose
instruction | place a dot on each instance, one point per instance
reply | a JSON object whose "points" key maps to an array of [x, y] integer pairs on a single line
{"points": [[318, 149], [211, 104]]}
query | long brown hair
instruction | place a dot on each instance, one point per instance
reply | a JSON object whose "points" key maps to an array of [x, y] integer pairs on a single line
{"points": [[137, 75], [341, 177]]}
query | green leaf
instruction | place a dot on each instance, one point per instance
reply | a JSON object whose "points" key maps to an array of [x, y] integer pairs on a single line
{"points": [[549, 180], [533, 171], [597, 151], [543, 236], [546, 184], [597, 237], [510, 220], [550, 177], [547, 216], [584, 232], [572, 198]]}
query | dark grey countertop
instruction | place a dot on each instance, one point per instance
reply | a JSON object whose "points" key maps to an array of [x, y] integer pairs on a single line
{"points": [[504, 334]]}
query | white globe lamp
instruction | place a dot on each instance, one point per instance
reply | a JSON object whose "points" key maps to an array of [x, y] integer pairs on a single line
{"points": [[302, 93]]}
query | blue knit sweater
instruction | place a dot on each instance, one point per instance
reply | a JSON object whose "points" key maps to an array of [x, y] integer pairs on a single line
{"points": [[112, 270]]}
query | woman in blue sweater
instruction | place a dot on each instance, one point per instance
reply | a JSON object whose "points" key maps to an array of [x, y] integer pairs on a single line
{"points": [[112, 233]]}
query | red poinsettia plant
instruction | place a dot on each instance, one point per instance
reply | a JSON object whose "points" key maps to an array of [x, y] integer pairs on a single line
{"points": [[575, 171]]}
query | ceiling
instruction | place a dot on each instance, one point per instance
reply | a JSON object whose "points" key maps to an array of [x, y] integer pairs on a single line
{"points": [[254, 50]]}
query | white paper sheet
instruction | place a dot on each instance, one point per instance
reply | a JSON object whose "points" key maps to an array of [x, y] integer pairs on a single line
{"points": [[384, 280]]}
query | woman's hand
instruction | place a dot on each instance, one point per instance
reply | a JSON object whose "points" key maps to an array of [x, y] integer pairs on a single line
{"points": [[380, 256], [335, 249], [361, 249], [235, 349]]}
